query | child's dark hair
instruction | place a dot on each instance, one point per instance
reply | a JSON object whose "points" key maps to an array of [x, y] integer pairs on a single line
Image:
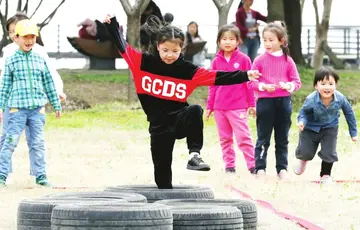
{"points": [[228, 28], [241, 4], [15, 18], [160, 32], [325, 73], [280, 30]]}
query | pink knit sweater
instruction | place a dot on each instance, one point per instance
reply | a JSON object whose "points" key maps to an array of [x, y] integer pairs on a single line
{"points": [[231, 97], [275, 69]]}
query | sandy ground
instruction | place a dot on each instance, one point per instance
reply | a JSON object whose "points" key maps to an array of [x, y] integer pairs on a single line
{"points": [[97, 158]]}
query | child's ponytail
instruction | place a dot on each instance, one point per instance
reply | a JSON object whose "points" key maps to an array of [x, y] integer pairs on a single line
{"points": [[285, 50], [241, 4]]}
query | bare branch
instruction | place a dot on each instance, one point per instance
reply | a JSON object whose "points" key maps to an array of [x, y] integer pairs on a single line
{"points": [[26, 7], [51, 15], [217, 4], [36, 9], [126, 6], [18, 8], [6, 9], [0, 2], [229, 4], [142, 5], [316, 14]]}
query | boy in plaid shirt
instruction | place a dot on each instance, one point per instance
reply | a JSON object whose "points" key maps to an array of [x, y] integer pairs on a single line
{"points": [[25, 79]]}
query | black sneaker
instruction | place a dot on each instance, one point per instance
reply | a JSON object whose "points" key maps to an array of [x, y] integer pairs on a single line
{"points": [[196, 163], [230, 170]]}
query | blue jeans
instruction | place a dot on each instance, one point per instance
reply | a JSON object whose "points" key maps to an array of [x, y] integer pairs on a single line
{"points": [[273, 113], [250, 47], [5, 121], [34, 121]]}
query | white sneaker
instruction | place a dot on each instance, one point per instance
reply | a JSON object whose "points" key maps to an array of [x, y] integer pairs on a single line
{"points": [[300, 167], [326, 179], [283, 174], [260, 173]]}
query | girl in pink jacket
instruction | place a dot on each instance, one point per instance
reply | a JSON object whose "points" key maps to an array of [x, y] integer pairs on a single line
{"points": [[232, 103]]}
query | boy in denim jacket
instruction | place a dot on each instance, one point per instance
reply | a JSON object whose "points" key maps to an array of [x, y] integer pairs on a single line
{"points": [[318, 122]]}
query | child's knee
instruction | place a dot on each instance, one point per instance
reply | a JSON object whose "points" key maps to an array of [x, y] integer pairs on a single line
{"points": [[195, 110]]}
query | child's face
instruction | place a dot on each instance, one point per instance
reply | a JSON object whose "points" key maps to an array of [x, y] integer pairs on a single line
{"points": [[12, 32], [326, 87], [169, 51], [26, 42], [271, 42], [228, 42]]}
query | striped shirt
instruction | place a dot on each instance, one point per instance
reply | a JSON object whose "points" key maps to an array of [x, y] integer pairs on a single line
{"points": [[27, 82]]}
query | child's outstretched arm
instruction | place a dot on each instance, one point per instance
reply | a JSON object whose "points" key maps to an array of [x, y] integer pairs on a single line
{"points": [[203, 77], [6, 85], [350, 118], [130, 55], [50, 90]]}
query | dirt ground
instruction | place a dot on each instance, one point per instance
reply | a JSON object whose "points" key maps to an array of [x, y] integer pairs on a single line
{"points": [[97, 158]]}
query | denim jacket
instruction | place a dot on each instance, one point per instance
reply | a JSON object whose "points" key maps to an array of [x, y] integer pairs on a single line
{"points": [[316, 116]]}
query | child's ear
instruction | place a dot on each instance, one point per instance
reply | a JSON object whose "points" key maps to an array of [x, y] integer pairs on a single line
{"points": [[282, 41]]}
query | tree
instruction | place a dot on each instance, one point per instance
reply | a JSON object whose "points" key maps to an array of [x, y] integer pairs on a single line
{"points": [[321, 33], [23, 7], [223, 8], [133, 34], [275, 10], [293, 19]]}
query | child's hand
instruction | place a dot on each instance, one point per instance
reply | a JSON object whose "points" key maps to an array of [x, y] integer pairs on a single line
{"points": [[269, 87], [58, 114], [354, 139], [285, 86], [208, 114], [107, 19], [62, 96], [252, 111], [301, 126], [253, 75]]}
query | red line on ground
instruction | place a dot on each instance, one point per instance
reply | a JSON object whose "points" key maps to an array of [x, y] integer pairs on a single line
{"points": [[299, 221], [339, 181]]}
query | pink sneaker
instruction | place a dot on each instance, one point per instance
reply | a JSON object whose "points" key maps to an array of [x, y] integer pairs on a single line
{"points": [[300, 167], [283, 174], [326, 179]]}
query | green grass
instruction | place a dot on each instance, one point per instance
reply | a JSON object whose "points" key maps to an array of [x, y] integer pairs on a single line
{"points": [[349, 83]]}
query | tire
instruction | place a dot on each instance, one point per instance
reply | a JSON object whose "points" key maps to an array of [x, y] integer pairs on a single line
{"points": [[36, 214], [152, 193], [134, 216], [205, 217], [247, 208], [130, 197]]}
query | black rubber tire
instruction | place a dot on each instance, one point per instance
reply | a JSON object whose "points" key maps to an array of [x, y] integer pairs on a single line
{"points": [[36, 214], [134, 216], [205, 217], [152, 193], [130, 197], [247, 208]]}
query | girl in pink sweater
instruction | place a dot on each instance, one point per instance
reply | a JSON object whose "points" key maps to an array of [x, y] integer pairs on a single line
{"points": [[231, 103], [279, 79]]}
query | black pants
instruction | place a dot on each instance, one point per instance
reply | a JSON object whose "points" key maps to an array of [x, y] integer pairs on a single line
{"points": [[273, 113], [187, 123]]}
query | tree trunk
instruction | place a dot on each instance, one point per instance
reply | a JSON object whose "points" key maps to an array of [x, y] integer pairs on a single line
{"points": [[223, 16], [292, 11], [321, 34], [133, 38], [275, 10]]}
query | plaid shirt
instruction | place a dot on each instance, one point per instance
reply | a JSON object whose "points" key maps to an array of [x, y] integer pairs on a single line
{"points": [[25, 79]]}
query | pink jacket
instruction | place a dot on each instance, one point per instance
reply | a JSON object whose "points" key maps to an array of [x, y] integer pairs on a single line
{"points": [[231, 97], [275, 69]]}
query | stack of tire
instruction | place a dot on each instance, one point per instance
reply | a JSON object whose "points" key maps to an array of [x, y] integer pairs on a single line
{"points": [[136, 207]]}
